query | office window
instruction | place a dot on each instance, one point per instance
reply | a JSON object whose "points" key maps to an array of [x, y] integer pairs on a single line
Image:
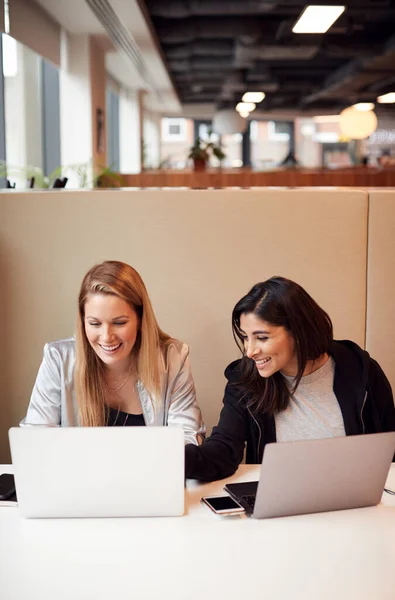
{"points": [[254, 131], [278, 131], [2, 115], [10, 56], [205, 135], [23, 110], [50, 116], [173, 130]]}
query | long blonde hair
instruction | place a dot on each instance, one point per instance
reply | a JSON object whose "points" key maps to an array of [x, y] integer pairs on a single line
{"points": [[119, 279]]}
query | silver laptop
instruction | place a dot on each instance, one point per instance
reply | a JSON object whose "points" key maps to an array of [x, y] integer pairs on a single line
{"points": [[318, 475], [98, 471]]}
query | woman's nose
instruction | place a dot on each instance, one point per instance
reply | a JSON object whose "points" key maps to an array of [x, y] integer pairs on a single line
{"points": [[250, 348], [106, 332]]}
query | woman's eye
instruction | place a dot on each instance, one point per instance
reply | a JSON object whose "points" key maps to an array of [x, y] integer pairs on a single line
{"points": [[94, 324], [120, 323], [262, 338]]}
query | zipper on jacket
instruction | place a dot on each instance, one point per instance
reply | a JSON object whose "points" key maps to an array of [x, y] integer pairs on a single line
{"points": [[363, 405], [260, 436]]}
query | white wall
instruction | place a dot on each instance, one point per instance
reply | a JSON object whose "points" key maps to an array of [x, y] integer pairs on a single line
{"points": [[75, 104], [129, 131], [152, 139]]}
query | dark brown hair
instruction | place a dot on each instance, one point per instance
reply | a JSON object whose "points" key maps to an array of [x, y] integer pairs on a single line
{"points": [[281, 302]]}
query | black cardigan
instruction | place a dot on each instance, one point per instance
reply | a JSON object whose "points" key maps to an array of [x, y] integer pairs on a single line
{"points": [[360, 386]]}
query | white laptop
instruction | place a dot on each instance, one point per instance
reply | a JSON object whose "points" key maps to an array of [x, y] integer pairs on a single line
{"points": [[98, 471], [318, 475]]}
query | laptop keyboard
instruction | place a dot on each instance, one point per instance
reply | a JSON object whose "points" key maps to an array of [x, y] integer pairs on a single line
{"points": [[250, 500]]}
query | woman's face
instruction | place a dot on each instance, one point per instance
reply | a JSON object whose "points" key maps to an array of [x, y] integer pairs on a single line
{"points": [[271, 347], [111, 327]]}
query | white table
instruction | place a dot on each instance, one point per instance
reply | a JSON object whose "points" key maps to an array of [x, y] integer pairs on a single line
{"points": [[344, 555]]}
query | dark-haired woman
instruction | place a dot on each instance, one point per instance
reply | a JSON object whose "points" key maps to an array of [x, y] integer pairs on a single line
{"points": [[294, 382]]}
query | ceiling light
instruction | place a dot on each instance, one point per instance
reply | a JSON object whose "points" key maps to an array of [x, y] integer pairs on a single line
{"points": [[244, 113], [228, 121], [317, 19], [357, 124], [326, 118], [364, 106], [245, 107], [253, 97], [387, 98]]}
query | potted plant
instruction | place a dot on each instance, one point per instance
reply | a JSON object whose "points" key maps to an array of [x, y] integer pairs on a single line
{"points": [[30, 175], [200, 153]]}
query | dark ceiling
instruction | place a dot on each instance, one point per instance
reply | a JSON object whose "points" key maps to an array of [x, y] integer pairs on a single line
{"points": [[217, 49]]}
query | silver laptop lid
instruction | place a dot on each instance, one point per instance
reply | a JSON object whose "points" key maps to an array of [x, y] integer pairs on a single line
{"points": [[98, 471], [322, 475]]}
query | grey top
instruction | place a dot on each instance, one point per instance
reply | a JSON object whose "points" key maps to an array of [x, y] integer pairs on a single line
{"points": [[53, 401], [313, 411]]}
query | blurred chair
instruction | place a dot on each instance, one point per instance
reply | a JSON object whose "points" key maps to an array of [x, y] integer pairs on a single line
{"points": [[60, 182]]}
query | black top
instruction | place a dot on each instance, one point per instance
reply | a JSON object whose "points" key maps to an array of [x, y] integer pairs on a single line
{"points": [[360, 386], [118, 418]]}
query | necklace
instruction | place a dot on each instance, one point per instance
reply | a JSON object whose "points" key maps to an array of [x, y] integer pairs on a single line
{"points": [[114, 390]]}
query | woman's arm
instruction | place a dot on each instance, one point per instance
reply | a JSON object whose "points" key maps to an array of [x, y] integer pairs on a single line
{"points": [[220, 455], [183, 407], [45, 401], [380, 388]]}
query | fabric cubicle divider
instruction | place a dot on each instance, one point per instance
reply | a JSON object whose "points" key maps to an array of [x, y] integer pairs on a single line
{"points": [[198, 252], [32, 26], [380, 321]]}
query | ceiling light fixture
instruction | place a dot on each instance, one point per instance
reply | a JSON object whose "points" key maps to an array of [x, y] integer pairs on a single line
{"points": [[253, 97], [244, 113], [387, 98], [245, 107], [364, 106], [317, 19], [356, 124], [227, 121]]}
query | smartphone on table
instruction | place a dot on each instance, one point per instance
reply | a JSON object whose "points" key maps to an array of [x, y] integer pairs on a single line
{"points": [[223, 505], [7, 486]]}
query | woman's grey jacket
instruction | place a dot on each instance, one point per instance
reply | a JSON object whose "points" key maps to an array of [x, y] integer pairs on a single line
{"points": [[53, 400]]}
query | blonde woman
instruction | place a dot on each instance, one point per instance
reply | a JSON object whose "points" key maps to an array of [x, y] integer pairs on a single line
{"points": [[121, 369]]}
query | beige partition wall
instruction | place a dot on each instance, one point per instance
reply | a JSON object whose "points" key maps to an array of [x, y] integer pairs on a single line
{"points": [[380, 319], [198, 252]]}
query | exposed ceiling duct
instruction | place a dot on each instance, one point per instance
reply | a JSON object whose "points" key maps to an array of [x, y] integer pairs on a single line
{"points": [[210, 48], [208, 29], [196, 63], [358, 75], [245, 55], [249, 45], [179, 9], [121, 38]]}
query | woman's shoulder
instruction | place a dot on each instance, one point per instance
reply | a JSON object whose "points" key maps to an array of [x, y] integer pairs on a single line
{"points": [[63, 349], [233, 371], [175, 351], [349, 355]]}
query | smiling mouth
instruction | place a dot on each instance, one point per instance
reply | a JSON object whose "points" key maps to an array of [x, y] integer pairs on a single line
{"points": [[110, 349], [262, 363]]}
